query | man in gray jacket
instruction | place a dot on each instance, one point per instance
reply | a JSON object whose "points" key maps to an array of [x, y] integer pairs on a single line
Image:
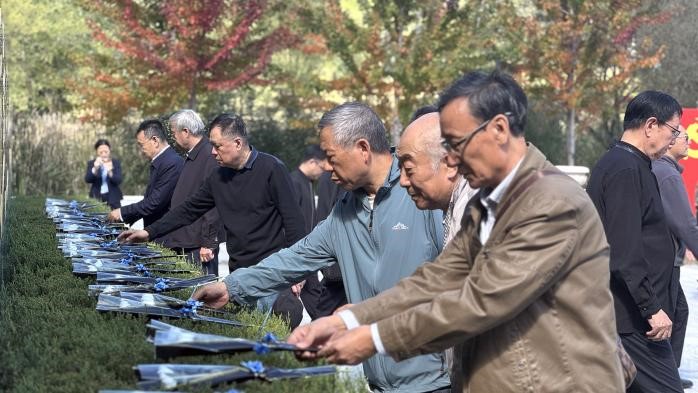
{"points": [[684, 232], [375, 233]]}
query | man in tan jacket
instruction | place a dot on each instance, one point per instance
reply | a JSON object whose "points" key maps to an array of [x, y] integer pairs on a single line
{"points": [[523, 288]]}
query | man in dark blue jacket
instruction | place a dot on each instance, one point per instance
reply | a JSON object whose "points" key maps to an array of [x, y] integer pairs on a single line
{"points": [[165, 167]]}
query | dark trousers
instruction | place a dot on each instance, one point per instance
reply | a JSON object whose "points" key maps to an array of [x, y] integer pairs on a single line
{"points": [[655, 363], [210, 267]]}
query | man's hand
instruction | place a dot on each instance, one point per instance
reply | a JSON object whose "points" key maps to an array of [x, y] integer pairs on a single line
{"points": [[133, 236], [114, 215], [315, 334], [661, 326], [297, 288], [349, 347], [342, 308], [689, 256], [213, 295], [206, 254]]}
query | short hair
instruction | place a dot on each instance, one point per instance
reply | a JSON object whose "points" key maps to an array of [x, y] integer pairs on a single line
{"points": [[102, 142], [352, 121], [488, 96], [187, 118], [313, 152], [152, 128], [231, 126], [425, 110], [650, 103]]}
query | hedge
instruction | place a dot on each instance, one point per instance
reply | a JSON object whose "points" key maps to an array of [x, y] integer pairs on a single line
{"points": [[53, 340]]}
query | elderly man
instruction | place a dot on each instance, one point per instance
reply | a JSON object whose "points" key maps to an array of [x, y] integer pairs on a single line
{"points": [[198, 240], [684, 231], [375, 233], [625, 192], [522, 289], [252, 192], [433, 184], [430, 182], [165, 167]]}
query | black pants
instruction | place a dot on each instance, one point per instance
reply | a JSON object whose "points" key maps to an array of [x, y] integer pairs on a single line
{"points": [[210, 267], [655, 363], [680, 317]]}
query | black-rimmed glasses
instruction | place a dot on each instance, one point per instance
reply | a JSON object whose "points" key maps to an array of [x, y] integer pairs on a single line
{"points": [[674, 131], [453, 145]]}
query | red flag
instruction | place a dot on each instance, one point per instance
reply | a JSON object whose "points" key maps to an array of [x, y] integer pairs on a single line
{"points": [[690, 173]]}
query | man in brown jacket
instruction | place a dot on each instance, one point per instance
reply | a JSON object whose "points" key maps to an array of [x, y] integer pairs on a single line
{"points": [[523, 288]]}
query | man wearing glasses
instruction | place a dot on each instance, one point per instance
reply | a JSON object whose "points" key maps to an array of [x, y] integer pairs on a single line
{"points": [[626, 195], [521, 291], [683, 229]]}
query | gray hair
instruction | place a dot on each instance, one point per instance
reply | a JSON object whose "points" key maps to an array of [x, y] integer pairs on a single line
{"points": [[187, 118], [352, 121]]}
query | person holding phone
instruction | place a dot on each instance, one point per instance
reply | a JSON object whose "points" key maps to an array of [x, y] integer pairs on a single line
{"points": [[104, 175]]}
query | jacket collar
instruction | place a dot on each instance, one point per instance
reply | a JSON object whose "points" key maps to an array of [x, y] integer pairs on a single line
{"points": [[160, 153], [671, 162], [634, 151], [191, 155], [533, 161]]}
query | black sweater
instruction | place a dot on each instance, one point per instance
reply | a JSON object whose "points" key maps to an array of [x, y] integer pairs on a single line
{"points": [[626, 195], [256, 204]]}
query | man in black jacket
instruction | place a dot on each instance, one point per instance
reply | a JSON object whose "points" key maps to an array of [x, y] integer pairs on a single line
{"points": [[684, 230], [252, 192], [165, 167], [198, 240], [303, 177], [625, 193]]}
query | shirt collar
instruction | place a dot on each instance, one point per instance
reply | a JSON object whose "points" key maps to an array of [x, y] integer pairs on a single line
{"points": [[495, 195], [673, 162], [160, 153], [634, 151], [253, 156]]}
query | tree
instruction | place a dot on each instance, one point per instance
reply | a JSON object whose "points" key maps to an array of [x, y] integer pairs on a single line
{"points": [[586, 55], [675, 74], [169, 53], [397, 55]]}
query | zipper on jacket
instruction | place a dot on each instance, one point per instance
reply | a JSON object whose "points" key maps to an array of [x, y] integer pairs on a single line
{"points": [[370, 221]]}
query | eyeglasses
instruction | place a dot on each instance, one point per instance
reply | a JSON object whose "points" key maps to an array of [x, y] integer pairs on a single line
{"points": [[453, 145], [674, 131]]}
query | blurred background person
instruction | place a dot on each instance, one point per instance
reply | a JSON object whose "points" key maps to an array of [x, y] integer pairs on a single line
{"points": [[104, 175]]}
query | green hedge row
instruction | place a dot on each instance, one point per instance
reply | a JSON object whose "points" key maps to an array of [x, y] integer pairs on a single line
{"points": [[53, 340]]}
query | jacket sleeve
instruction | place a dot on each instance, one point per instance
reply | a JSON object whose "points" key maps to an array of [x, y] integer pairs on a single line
{"points": [[535, 254], [623, 226], [186, 213], [210, 225], [115, 178], [678, 212], [159, 197], [89, 176], [283, 268], [281, 189]]}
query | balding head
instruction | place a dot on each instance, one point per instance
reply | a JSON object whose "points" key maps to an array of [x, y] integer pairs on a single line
{"points": [[423, 169]]}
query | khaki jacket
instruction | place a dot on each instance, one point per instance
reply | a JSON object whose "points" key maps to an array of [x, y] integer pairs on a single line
{"points": [[528, 311]]}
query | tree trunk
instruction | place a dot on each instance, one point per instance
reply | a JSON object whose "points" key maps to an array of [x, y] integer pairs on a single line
{"points": [[192, 95], [571, 146]]}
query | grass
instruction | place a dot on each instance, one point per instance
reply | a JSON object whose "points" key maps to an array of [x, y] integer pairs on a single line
{"points": [[53, 340]]}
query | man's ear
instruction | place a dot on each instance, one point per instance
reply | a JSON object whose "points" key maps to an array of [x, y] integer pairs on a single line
{"points": [[650, 124], [365, 149]]}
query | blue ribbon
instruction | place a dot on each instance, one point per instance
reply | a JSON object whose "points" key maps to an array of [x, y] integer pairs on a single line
{"points": [[161, 284], [254, 365], [189, 308], [270, 338], [108, 244], [127, 260]]}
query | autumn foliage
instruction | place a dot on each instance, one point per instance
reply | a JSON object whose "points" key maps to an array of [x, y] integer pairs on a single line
{"points": [[170, 52]]}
